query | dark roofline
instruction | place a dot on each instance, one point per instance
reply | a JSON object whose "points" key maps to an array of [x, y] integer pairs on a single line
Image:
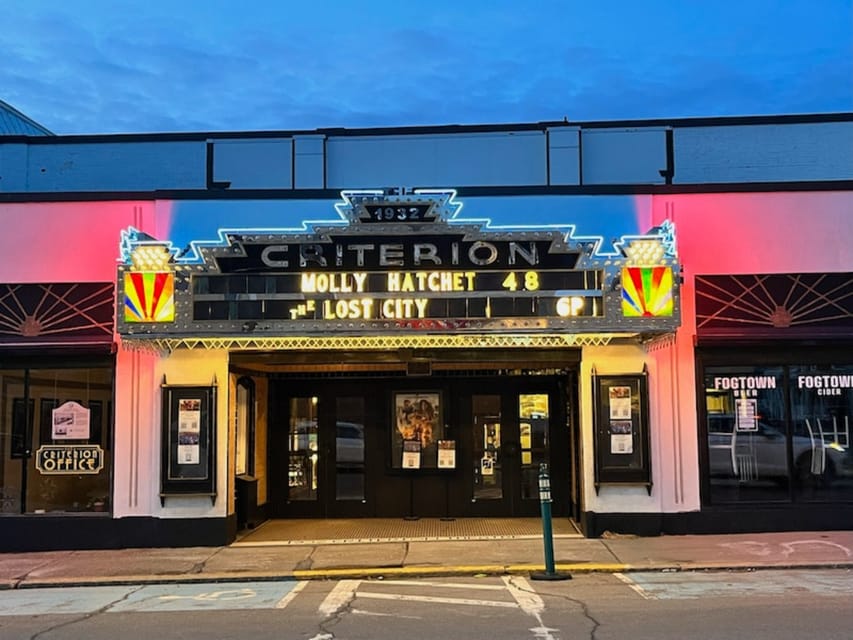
{"points": [[462, 191], [8, 107], [717, 121], [726, 121]]}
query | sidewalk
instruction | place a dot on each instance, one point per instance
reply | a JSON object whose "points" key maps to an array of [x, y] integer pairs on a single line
{"points": [[389, 559]]}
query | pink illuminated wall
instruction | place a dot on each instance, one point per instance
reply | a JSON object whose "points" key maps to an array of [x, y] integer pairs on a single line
{"points": [[71, 241], [742, 233], [756, 233], [728, 233]]}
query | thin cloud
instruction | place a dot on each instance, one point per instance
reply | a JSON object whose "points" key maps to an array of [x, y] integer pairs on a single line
{"points": [[124, 66]]}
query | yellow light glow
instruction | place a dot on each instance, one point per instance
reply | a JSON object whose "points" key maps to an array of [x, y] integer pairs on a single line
{"points": [[567, 307], [381, 342], [155, 257], [435, 281], [644, 253]]}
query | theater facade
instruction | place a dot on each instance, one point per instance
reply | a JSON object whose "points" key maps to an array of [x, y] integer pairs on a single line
{"points": [[177, 366]]}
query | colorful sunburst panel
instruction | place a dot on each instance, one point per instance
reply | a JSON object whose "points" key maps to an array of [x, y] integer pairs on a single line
{"points": [[149, 296], [647, 291]]}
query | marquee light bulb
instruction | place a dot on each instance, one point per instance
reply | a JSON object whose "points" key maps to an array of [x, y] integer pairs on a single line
{"points": [[644, 253], [151, 258]]}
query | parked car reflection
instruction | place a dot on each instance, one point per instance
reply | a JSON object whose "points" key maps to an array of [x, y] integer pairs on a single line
{"points": [[762, 453], [349, 443]]}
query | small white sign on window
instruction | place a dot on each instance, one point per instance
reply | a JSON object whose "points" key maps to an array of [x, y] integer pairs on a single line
{"points": [[411, 454], [747, 414], [70, 422], [447, 454], [621, 436]]}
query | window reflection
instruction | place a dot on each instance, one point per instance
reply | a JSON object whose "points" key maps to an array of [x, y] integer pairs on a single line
{"points": [[488, 472], [821, 410], [303, 445], [747, 443], [349, 449], [756, 453]]}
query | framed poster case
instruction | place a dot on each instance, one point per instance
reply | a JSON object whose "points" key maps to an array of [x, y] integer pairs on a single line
{"points": [[418, 428], [622, 430], [189, 442]]}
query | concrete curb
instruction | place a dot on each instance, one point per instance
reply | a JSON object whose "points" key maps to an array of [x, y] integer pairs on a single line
{"points": [[408, 572]]}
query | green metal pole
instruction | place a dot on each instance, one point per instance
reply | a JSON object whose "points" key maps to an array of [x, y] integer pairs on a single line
{"points": [[547, 531], [548, 537]]}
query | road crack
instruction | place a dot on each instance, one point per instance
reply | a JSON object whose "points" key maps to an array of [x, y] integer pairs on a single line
{"points": [[334, 618], [610, 551], [524, 586], [306, 563], [20, 580], [88, 615], [584, 610]]}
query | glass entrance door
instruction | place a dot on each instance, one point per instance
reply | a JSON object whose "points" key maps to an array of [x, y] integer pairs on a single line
{"points": [[332, 443], [511, 436], [488, 451], [348, 462], [303, 449], [326, 448], [534, 438]]}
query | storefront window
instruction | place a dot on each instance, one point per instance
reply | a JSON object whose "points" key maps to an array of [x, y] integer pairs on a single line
{"points": [[55, 439], [779, 433], [747, 434], [821, 415]]}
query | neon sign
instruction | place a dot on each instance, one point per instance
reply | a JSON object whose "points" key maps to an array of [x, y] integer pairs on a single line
{"points": [[399, 262]]}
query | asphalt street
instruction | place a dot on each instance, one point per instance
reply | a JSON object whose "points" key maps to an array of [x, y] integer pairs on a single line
{"points": [[773, 603]]}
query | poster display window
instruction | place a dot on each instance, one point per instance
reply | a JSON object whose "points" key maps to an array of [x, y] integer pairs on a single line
{"points": [[418, 427]]}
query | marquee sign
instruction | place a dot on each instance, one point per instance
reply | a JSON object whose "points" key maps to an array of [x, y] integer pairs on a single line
{"points": [[398, 263]]}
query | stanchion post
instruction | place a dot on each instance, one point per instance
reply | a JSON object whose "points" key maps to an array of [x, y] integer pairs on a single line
{"points": [[547, 531], [447, 517], [411, 515]]}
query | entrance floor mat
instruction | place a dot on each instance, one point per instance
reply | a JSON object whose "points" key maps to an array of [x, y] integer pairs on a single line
{"points": [[332, 531]]}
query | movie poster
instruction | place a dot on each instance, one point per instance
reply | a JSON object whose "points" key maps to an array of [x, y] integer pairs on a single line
{"points": [[417, 419]]}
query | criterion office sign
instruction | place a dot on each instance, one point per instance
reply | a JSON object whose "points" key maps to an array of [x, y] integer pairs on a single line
{"points": [[69, 459]]}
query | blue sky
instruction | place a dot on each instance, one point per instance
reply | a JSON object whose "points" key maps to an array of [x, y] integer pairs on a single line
{"points": [[109, 66]]}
